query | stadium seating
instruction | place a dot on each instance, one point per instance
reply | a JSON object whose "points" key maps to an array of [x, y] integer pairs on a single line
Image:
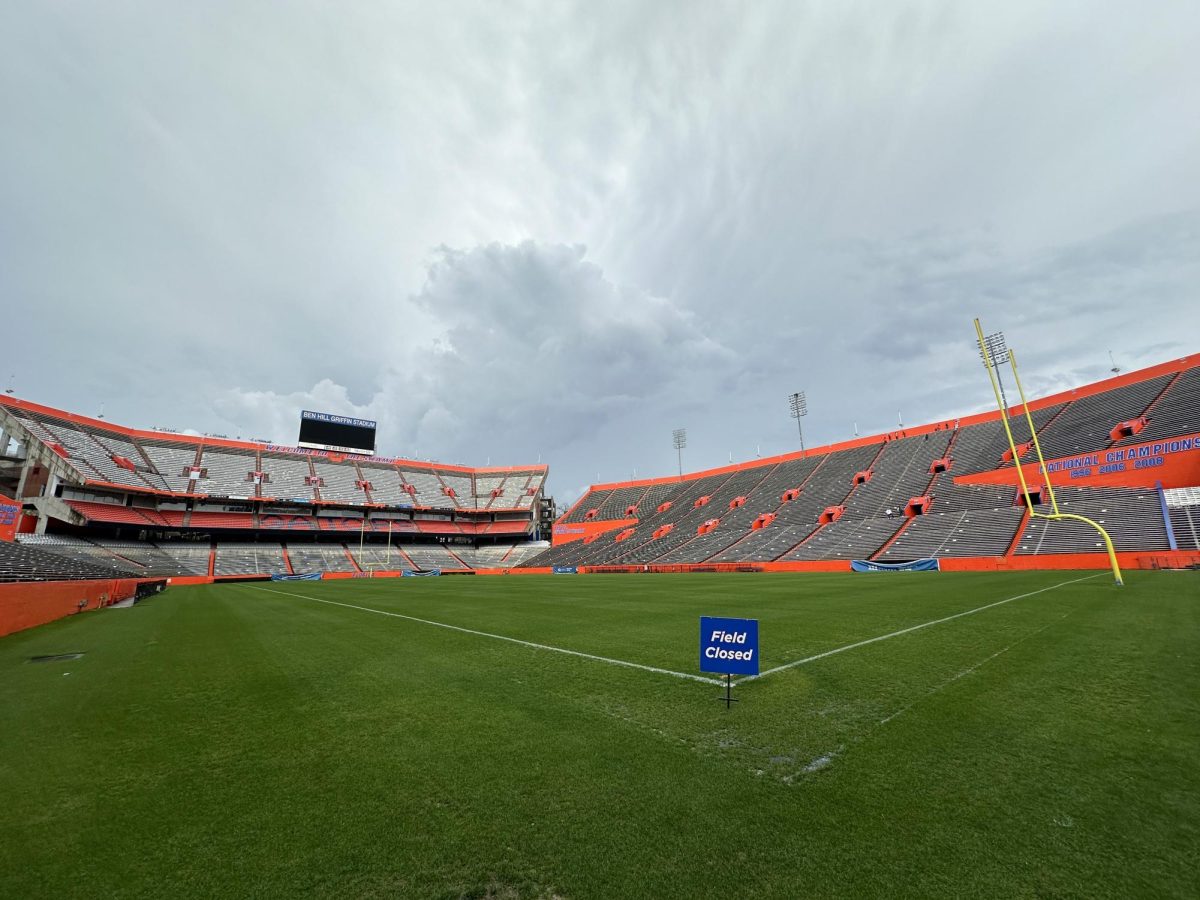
{"points": [[288, 477], [22, 562], [788, 498], [227, 473], [432, 556], [236, 558], [339, 483], [1085, 424], [966, 532], [319, 558], [1133, 518], [171, 461], [1174, 413]]}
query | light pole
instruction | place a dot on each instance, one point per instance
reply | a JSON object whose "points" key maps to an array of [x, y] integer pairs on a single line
{"points": [[679, 440], [798, 404], [997, 355]]}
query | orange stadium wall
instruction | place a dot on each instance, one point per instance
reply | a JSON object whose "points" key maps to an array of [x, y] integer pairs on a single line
{"points": [[1174, 461], [24, 604], [579, 531]]}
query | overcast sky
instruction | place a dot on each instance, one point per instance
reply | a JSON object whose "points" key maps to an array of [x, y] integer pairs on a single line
{"points": [[519, 231]]}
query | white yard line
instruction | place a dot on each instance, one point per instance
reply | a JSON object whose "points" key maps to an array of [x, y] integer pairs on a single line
{"points": [[912, 628], [967, 671], [501, 637]]}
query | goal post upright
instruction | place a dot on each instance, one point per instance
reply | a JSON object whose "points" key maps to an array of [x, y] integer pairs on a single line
{"points": [[1037, 445], [989, 363]]}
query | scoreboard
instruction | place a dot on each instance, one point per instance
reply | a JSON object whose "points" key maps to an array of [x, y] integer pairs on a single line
{"points": [[323, 431]]}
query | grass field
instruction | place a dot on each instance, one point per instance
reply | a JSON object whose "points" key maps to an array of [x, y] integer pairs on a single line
{"points": [[248, 740]]}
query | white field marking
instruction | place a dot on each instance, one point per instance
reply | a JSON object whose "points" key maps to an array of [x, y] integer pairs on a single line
{"points": [[501, 637], [884, 637], [967, 671]]}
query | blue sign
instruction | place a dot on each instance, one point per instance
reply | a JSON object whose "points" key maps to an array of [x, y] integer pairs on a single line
{"points": [[917, 565], [729, 646], [566, 570]]}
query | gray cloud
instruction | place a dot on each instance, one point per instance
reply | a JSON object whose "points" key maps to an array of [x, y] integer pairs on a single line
{"points": [[212, 216]]}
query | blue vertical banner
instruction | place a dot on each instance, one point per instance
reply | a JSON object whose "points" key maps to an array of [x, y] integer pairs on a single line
{"points": [[728, 646]]}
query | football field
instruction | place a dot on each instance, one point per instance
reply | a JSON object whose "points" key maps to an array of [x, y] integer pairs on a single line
{"points": [[914, 734]]}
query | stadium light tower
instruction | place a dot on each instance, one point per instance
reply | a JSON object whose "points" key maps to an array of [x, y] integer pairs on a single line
{"points": [[799, 407], [679, 440], [997, 355]]}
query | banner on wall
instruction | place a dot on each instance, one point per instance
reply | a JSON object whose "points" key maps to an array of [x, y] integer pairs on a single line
{"points": [[304, 576], [410, 573], [1173, 461], [10, 517], [917, 565]]}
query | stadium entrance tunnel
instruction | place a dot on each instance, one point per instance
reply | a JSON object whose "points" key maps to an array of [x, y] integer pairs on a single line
{"points": [[1128, 428], [917, 506], [831, 514], [1022, 449], [1036, 495], [940, 465]]}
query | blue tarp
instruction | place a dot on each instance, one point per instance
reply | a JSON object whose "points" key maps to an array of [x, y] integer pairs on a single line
{"points": [[917, 565], [410, 573], [306, 576], [565, 570]]}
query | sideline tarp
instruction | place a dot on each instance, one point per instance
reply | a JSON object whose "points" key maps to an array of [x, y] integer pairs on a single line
{"points": [[410, 573], [305, 576], [566, 570], [917, 565]]}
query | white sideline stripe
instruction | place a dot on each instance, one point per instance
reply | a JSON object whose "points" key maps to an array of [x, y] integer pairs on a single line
{"points": [[501, 637], [884, 637]]}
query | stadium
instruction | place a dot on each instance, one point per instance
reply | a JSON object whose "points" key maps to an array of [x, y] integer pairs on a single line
{"points": [[909, 608], [896, 567]]}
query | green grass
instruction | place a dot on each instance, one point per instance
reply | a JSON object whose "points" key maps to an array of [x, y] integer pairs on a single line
{"points": [[228, 741]]}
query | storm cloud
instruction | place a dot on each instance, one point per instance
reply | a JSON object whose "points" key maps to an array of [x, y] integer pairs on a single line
{"points": [[561, 230]]}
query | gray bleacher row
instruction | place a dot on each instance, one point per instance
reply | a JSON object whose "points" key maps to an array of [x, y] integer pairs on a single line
{"points": [[1132, 517], [1175, 412], [20, 561], [1086, 423], [317, 558], [1185, 523], [47, 561], [93, 458], [136, 557], [53, 557], [125, 558]]}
